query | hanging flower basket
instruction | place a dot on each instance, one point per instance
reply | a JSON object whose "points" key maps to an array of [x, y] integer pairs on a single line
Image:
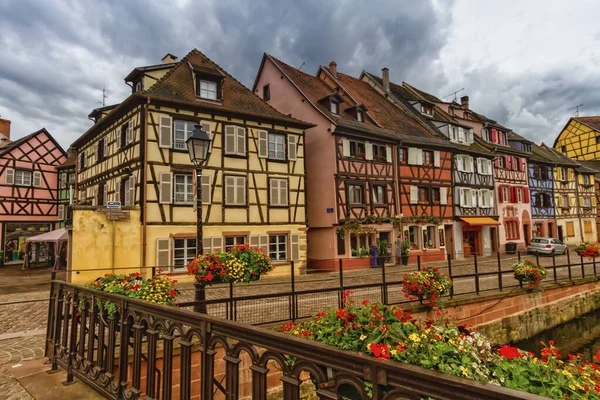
{"points": [[531, 273], [240, 264], [427, 285], [586, 249]]}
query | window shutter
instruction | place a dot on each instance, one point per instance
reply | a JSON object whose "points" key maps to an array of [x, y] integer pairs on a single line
{"points": [[580, 179], [118, 144], [479, 166], [489, 167], [368, 151], [419, 157], [507, 162], [274, 192], [262, 144], [414, 195], [496, 163], [345, 147], [559, 201], [163, 252], [592, 181], [105, 143], [217, 243], [254, 242], [132, 190], [581, 201], [37, 178], [166, 188], [461, 134], [206, 245], [229, 189], [61, 212], [241, 140], [165, 137], [283, 192], [388, 153], [230, 139], [471, 164], [104, 193], [491, 197], [523, 166], [443, 195], [460, 163], [206, 127], [96, 151], [292, 147], [526, 195], [118, 190], [436, 158], [241, 190], [130, 131], [412, 155], [264, 243], [479, 197], [295, 243], [494, 135], [126, 193], [206, 189], [461, 197], [594, 202]]}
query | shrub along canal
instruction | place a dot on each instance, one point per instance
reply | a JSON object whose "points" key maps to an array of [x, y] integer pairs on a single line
{"points": [[580, 335]]}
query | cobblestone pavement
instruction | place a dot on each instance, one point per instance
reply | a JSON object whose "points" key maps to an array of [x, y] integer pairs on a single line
{"points": [[10, 388]]}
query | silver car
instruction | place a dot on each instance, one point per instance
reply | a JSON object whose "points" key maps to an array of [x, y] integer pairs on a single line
{"points": [[546, 245]]}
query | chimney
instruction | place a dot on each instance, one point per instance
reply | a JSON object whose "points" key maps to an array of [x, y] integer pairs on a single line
{"points": [[5, 127], [385, 76], [333, 69], [464, 101], [169, 58]]}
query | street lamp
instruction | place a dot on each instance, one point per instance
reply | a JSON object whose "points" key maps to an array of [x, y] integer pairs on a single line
{"points": [[198, 144]]}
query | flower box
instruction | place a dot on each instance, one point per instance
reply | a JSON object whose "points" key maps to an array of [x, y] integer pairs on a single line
{"points": [[426, 285], [531, 273]]}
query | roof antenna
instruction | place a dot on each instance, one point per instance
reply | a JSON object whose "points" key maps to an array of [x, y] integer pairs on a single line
{"points": [[301, 66], [104, 97], [576, 108], [454, 94]]}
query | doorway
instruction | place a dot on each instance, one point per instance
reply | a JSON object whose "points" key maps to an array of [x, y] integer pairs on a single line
{"points": [[471, 241], [551, 232], [494, 238], [448, 234], [526, 234], [560, 233]]}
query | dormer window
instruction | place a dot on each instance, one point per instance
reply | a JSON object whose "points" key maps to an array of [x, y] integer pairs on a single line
{"points": [[359, 116], [208, 89], [334, 107], [138, 86], [527, 147], [426, 109]]}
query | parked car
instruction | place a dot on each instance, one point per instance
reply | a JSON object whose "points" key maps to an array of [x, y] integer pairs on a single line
{"points": [[546, 245]]}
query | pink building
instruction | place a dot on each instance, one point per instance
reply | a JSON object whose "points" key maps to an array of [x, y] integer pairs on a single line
{"points": [[28, 192]]}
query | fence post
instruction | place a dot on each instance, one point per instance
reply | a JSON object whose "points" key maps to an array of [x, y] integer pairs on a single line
{"points": [[293, 311], [569, 262], [537, 257], [418, 263], [594, 264], [499, 270], [341, 265], [476, 273], [384, 293], [554, 266], [231, 313], [519, 255], [450, 274], [582, 267]]}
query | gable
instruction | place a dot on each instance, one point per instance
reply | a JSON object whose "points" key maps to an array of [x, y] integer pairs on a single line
{"points": [[39, 148]]}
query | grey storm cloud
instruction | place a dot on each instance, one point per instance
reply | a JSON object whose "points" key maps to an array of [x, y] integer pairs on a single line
{"points": [[57, 56]]}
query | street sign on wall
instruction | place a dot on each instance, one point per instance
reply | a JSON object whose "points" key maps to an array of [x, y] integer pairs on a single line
{"points": [[117, 215], [113, 204]]}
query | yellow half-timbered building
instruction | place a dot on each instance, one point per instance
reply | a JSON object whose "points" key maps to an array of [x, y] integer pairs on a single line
{"points": [[580, 138], [253, 184]]}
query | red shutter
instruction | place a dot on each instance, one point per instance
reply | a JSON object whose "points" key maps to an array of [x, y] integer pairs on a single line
{"points": [[500, 137], [494, 135], [513, 194], [500, 199], [522, 164], [526, 195], [496, 162], [507, 162]]}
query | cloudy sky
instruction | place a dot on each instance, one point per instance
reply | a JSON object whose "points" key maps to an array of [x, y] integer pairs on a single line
{"points": [[522, 63]]}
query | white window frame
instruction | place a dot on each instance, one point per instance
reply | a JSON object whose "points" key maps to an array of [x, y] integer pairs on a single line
{"points": [[278, 255], [334, 107], [519, 195], [186, 247], [20, 178], [278, 192], [236, 184], [188, 196], [208, 89], [505, 194], [352, 196], [378, 192], [235, 239], [276, 146], [188, 128], [587, 202]]}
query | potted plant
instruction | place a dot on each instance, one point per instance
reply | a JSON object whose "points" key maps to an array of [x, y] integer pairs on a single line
{"points": [[383, 255], [404, 250], [426, 285], [526, 271], [586, 249]]}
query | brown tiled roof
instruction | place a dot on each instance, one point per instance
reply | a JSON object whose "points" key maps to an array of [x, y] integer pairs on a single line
{"points": [[178, 85], [425, 95], [593, 122], [557, 157]]}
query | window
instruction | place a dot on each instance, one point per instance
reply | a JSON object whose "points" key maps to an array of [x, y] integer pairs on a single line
{"points": [[484, 166], [379, 153], [500, 160], [516, 163], [402, 155], [359, 244], [357, 149], [355, 194], [587, 202], [379, 194], [486, 135], [231, 241], [519, 195], [597, 139], [208, 90], [22, 178], [82, 161], [435, 195], [563, 149], [426, 109], [563, 174], [427, 157], [359, 116], [565, 200], [467, 197], [235, 140], [278, 192], [453, 133], [267, 92], [334, 107], [122, 138], [82, 196], [570, 229], [276, 146], [63, 181], [102, 195], [183, 130], [587, 226], [184, 251], [511, 230], [527, 148], [235, 190], [429, 237], [505, 195], [278, 247], [183, 189], [423, 195], [413, 236], [100, 149], [486, 198], [586, 178]]}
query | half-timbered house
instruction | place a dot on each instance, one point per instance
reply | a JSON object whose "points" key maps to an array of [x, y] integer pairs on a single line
{"points": [[586, 202], [253, 183], [472, 172], [580, 138], [66, 190], [595, 165], [28, 192]]}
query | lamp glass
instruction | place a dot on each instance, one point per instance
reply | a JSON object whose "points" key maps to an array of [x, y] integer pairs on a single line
{"points": [[198, 144]]}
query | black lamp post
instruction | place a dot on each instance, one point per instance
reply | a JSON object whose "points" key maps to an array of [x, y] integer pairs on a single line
{"points": [[198, 144]]}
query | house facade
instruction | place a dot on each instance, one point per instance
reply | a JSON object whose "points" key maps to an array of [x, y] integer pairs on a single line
{"points": [[586, 202], [472, 169], [28, 193], [66, 191], [253, 183], [580, 138]]}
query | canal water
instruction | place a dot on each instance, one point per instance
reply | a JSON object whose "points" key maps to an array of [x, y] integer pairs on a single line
{"points": [[581, 335]]}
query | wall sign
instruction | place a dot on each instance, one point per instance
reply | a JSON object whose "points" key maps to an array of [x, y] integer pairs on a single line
{"points": [[330, 211]]}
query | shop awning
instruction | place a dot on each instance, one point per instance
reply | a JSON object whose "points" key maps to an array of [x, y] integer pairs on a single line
{"points": [[480, 221], [52, 236]]}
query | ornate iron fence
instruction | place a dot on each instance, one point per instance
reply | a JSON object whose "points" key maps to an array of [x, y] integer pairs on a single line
{"points": [[157, 352]]}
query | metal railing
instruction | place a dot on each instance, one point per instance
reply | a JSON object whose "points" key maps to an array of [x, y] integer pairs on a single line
{"points": [[158, 352]]}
